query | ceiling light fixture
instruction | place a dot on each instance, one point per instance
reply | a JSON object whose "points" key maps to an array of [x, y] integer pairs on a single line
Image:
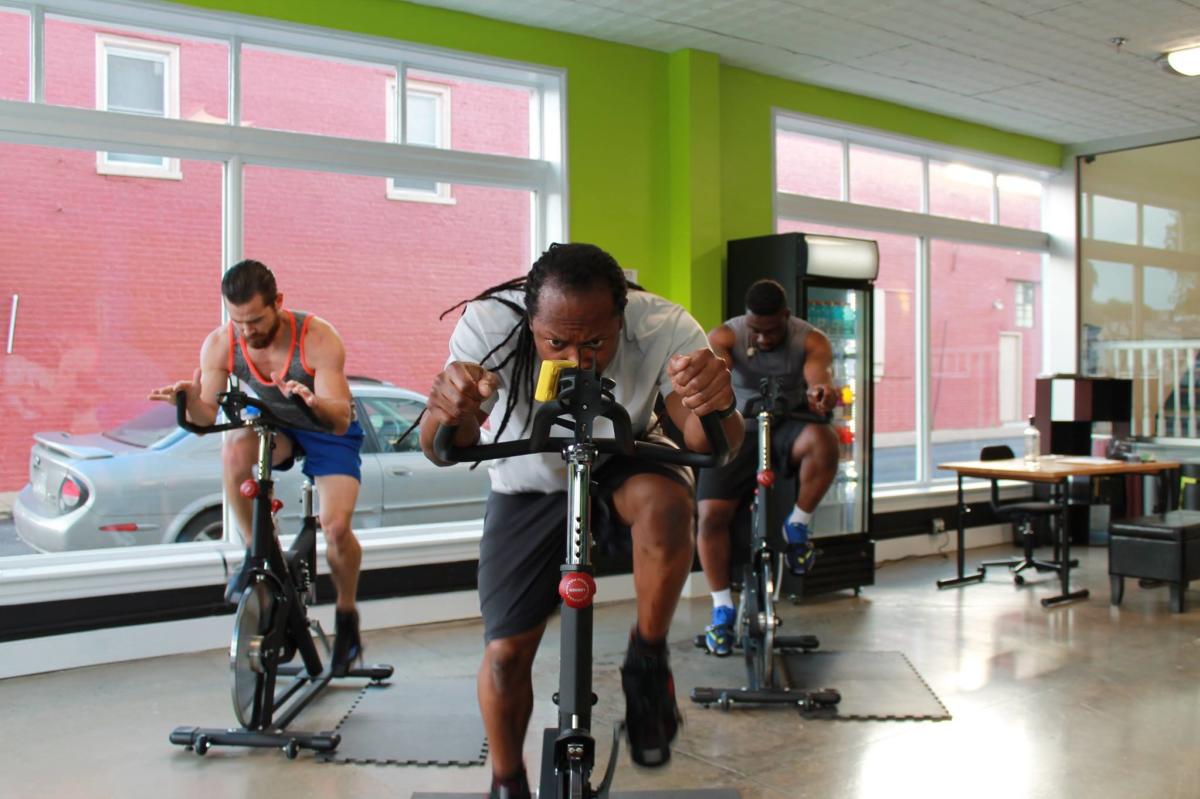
{"points": [[1184, 62]]}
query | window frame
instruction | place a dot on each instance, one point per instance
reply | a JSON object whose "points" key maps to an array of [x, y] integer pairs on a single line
{"points": [[441, 194], [165, 53], [923, 225], [543, 175]]}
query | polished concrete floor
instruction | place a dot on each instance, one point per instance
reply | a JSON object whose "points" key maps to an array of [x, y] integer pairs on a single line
{"points": [[1080, 701]]}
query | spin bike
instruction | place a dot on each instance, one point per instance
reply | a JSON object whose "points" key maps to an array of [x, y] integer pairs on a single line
{"points": [[582, 397], [757, 621], [271, 625]]}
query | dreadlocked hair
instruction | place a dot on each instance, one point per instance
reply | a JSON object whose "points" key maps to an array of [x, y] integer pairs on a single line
{"points": [[574, 268]]}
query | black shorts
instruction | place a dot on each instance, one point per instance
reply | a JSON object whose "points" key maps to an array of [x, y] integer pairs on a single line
{"points": [[736, 479], [525, 538]]}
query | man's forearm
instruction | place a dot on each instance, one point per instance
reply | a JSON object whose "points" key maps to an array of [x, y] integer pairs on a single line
{"points": [[333, 412]]}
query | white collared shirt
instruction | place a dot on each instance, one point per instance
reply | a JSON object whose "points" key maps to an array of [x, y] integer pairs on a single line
{"points": [[654, 331]]}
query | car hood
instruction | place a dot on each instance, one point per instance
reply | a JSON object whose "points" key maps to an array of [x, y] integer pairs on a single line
{"points": [[90, 446]]}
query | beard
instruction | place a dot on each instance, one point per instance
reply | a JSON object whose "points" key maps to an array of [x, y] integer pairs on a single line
{"points": [[260, 341]]}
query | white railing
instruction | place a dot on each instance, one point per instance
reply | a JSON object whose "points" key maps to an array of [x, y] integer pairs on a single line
{"points": [[1160, 371]]}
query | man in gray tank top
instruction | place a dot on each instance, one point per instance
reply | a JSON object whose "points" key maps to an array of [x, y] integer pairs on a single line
{"points": [[768, 341], [280, 353]]}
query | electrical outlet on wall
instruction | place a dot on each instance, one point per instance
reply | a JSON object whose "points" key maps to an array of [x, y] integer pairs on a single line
{"points": [[937, 525]]}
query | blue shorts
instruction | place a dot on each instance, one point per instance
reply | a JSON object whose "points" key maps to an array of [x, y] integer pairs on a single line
{"points": [[325, 453]]}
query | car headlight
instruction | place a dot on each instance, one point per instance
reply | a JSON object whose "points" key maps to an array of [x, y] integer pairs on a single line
{"points": [[71, 494]]}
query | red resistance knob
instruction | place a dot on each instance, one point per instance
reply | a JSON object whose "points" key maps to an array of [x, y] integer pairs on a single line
{"points": [[766, 478], [577, 589], [276, 505], [249, 489]]}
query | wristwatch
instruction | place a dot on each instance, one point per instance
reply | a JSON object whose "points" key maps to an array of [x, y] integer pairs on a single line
{"points": [[725, 413]]}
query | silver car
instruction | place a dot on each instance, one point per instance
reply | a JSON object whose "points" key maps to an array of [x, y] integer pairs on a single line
{"points": [[149, 482]]}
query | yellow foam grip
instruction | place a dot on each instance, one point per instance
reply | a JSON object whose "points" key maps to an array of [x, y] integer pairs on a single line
{"points": [[547, 385]]}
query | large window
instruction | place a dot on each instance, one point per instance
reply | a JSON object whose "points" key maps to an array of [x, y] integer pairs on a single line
{"points": [[282, 145], [958, 337]]}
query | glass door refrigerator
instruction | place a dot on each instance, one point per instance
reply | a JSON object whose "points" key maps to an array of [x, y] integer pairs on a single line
{"points": [[830, 283]]}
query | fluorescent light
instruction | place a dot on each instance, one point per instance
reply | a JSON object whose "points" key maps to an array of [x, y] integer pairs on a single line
{"points": [[1186, 61]]}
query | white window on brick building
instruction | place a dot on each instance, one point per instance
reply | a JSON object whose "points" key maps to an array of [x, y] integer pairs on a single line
{"points": [[960, 243], [141, 77], [427, 124], [1023, 303]]}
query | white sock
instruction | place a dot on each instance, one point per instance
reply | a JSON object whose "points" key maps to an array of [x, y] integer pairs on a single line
{"points": [[800, 516], [722, 599]]}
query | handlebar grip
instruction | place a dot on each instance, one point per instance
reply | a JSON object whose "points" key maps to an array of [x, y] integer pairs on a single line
{"points": [[714, 430], [446, 452], [182, 420]]}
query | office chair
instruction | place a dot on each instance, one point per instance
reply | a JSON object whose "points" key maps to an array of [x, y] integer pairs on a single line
{"points": [[1022, 514]]}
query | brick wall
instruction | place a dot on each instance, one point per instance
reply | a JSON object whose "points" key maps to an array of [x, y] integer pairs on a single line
{"points": [[118, 277]]}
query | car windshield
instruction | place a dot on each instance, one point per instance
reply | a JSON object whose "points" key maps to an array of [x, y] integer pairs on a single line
{"points": [[146, 428]]}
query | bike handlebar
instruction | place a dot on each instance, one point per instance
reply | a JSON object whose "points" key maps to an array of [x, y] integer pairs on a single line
{"points": [[233, 403], [622, 443]]}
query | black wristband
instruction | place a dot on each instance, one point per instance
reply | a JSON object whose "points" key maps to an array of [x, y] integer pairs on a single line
{"points": [[727, 412]]}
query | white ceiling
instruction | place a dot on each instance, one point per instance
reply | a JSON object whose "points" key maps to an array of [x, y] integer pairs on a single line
{"points": [[1041, 67]]}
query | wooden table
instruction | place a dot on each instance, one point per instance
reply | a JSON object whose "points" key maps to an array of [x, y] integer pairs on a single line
{"points": [[1053, 470]]}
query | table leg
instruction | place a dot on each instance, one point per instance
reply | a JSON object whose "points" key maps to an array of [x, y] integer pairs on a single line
{"points": [[1064, 537], [962, 578]]}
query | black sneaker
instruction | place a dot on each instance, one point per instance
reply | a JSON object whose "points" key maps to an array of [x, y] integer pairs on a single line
{"points": [[347, 643], [238, 581], [651, 714], [512, 788]]}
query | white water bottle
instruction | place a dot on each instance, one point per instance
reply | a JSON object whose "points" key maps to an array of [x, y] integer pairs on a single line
{"points": [[1033, 443]]}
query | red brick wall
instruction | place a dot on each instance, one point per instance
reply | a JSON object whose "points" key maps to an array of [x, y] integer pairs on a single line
{"points": [[118, 277]]}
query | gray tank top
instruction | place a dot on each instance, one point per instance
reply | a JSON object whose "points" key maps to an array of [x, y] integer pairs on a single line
{"points": [[244, 370], [785, 362]]}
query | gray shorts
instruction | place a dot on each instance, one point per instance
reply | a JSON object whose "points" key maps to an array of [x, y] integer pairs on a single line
{"points": [[525, 538], [736, 479]]}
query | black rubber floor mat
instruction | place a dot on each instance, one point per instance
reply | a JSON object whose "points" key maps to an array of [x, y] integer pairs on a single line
{"points": [[702, 793], [874, 685], [430, 723]]}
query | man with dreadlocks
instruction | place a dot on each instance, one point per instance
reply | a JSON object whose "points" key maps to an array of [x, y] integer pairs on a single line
{"points": [[768, 341], [575, 304]]}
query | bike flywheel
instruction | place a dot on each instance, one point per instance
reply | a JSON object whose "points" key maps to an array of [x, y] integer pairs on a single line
{"points": [[250, 626]]}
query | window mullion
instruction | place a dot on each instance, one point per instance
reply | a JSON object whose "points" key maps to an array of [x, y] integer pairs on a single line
{"points": [[995, 200], [401, 103], [922, 389], [845, 171], [235, 80], [37, 55], [924, 184]]}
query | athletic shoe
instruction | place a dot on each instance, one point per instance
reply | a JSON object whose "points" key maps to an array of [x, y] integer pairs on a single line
{"points": [[513, 788], [651, 714], [718, 636], [347, 643], [799, 554]]}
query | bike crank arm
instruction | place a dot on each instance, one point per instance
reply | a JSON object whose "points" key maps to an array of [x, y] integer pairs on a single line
{"points": [[601, 792]]}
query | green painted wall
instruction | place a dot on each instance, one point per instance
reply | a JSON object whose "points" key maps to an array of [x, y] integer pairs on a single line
{"points": [[668, 156], [694, 213]]}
